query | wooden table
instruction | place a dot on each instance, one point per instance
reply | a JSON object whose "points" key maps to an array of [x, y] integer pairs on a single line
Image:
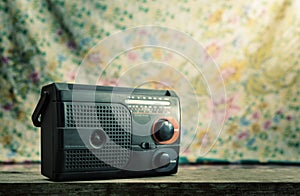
{"points": [[190, 180]]}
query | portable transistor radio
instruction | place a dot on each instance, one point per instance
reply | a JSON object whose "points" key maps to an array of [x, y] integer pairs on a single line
{"points": [[100, 132]]}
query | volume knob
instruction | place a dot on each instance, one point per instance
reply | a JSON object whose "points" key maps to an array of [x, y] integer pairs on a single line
{"points": [[162, 160]]}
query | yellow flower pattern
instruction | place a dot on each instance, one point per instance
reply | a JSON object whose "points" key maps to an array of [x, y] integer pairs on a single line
{"points": [[255, 45]]}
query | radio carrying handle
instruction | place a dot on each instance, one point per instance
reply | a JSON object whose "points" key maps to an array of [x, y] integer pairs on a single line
{"points": [[41, 106]]}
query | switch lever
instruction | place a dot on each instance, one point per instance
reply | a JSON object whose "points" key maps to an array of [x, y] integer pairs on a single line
{"points": [[148, 145]]}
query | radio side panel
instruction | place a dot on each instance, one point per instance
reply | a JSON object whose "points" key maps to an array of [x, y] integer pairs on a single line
{"points": [[48, 119]]}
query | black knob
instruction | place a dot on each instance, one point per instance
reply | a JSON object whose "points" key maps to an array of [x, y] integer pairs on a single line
{"points": [[163, 130], [162, 160]]}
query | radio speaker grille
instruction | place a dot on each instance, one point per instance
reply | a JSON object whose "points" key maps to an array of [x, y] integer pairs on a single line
{"points": [[115, 120]]}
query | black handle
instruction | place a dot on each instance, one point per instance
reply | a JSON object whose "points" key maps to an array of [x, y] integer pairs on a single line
{"points": [[39, 109]]}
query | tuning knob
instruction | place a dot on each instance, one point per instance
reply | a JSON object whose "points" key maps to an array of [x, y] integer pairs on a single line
{"points": [[165, 131]]}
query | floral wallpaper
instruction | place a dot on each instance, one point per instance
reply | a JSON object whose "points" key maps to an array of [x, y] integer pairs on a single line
{"points": [[255, 44]]}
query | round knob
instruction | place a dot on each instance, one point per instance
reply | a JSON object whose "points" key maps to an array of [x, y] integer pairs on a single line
{"points": [[163, 130], [98, 138], [162, 159]]}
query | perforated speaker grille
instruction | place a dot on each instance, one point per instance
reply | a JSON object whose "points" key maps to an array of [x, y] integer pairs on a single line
{"points": [[91, 159], [115, 120]]}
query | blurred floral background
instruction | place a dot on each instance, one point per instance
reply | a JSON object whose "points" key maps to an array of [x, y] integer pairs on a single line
{"points": [[255, 44]]}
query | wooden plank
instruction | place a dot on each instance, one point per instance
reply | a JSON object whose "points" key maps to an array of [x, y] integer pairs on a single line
{"points": [[18, 179]]}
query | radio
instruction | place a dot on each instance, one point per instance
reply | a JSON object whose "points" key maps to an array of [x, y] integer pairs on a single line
{"points": [[101, 132]]}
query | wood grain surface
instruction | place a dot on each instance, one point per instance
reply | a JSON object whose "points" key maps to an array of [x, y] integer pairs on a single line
{"points": [[190, 180]]}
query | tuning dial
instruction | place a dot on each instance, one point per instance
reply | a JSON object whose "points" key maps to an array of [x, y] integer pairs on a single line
{"points": [[165, 131], [162, 160]]}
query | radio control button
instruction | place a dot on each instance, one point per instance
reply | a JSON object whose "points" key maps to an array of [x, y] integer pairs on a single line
{"points": [[98, 138], [162, 160], [164, 130], [148, 145]]}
